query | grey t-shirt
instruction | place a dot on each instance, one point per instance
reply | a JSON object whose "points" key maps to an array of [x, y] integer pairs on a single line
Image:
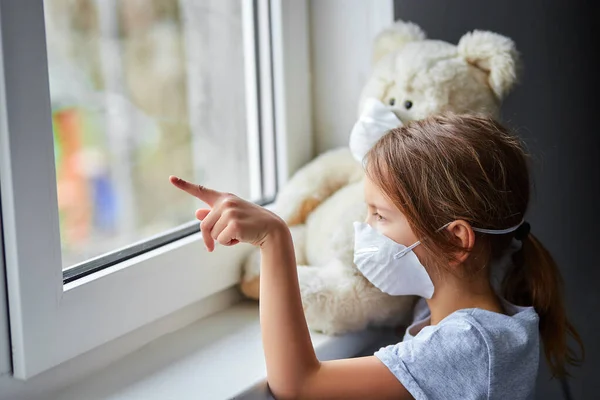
{"points": [[470, 354]]}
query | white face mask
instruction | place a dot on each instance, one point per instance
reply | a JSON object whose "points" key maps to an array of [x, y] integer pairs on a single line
{"points": [[375, 120], [392, 267]]}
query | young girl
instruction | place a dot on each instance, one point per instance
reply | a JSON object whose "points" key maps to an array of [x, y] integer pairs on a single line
{"points": [[446, 195]]}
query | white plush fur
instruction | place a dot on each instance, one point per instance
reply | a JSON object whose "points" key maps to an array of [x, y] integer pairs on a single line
{"points": [[395, 37], [494, 53], [324, 198]]}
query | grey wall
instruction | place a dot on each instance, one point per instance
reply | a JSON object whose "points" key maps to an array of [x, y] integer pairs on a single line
{"points": [[554, 109]]}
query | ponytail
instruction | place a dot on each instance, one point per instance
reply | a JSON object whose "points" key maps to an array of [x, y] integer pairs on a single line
{"points": [[535, 280]]}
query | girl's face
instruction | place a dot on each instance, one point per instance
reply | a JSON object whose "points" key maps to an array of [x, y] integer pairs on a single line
{"points": [[384, 217], [388, 220]]}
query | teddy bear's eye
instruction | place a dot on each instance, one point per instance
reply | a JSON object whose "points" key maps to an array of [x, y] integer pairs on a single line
{"points": [[408, 104], [392, 101]]}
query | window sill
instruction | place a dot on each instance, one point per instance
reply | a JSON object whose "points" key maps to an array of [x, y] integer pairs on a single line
{"points": [[218, 357]]}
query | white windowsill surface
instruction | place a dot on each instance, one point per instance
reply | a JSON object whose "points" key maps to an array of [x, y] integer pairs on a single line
{"points": [[218, 357]]}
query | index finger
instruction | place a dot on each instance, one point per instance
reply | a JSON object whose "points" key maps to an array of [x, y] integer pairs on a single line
{"points": [[205, 194]]}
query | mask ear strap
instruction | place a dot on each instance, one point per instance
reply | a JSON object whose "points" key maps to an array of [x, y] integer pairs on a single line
{"points": [[412, 246], [499, 231], [406, 250], [444, 227], [481, 230]]}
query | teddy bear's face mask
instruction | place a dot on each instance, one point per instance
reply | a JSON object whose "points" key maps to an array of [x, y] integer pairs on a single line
{"points": [[375, 120]]}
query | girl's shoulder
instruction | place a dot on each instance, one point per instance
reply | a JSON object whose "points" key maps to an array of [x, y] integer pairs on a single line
{"points": [[483, 321], [483, 348], [517, 319]]}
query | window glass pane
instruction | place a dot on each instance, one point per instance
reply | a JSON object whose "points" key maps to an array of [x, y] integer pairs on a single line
{"points": [[140, 90]]}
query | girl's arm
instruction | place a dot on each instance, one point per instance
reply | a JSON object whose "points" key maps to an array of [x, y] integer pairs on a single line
{"points": [[293, 370]]}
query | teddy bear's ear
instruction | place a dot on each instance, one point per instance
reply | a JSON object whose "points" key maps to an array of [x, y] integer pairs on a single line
{"points": [[494, 54], [395, 37]]}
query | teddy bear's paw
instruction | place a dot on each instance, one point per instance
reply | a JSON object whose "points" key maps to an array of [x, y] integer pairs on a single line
{"points": [[295, 212], [249, 284], [329, 298], [314, 183], [388, 311], [338, 300], [251, 266], [327, 314], [251, 288]]}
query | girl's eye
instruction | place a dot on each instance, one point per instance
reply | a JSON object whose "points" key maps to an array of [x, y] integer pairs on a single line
{"points": [[378, 216], [392, 101]]}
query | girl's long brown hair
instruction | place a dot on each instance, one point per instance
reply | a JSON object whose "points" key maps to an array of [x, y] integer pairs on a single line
{"points": [[449, 167]]}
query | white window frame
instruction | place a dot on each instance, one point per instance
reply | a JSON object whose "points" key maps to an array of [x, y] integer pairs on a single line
{"points": [[51, 323], [5, 366]]}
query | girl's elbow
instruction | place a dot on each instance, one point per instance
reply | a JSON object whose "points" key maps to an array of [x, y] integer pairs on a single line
{"points": [[289, 390], [293, 386], [285, 393]]}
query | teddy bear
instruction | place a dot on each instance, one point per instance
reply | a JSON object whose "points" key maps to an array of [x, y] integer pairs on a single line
{"points": [[412, 77]]}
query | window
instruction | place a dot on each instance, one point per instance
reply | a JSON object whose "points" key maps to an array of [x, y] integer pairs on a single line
{"points": [[140, 90], [102, 100]]}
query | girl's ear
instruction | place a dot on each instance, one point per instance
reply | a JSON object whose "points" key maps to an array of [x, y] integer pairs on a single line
{"points": [[463, 236]]}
